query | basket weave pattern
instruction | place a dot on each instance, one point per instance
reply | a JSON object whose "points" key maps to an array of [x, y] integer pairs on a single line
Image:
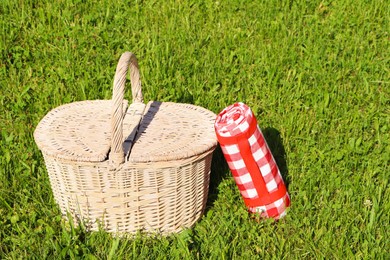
{"points": [[134, 197], [129, 168]]}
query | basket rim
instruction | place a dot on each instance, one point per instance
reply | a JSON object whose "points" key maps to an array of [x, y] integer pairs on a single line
{"points": [[136, 165]]}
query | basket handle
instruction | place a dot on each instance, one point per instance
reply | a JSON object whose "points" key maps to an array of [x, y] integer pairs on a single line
{"points": [[128, 59]]}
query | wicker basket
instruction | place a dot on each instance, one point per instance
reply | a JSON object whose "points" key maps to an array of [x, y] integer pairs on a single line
{"points": [[128, 168]]}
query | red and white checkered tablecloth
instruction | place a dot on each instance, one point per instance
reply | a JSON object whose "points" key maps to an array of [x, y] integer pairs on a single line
{"points": [[251, 162]]}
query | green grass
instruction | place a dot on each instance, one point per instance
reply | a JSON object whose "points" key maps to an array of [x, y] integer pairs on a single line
{"points": [[315, 73]]}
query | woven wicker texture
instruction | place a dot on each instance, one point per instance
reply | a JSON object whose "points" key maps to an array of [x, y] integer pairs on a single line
{"points": [[129, 168], [171, 131]]}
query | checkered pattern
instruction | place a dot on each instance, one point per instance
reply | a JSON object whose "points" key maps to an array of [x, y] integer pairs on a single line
{"points": [[276, 209], [251, 162]]}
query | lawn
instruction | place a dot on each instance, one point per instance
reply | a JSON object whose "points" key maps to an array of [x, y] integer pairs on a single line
{"points": [[315, 73]]}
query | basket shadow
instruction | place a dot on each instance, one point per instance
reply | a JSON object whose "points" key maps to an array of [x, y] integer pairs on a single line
{"points": [[148, 116], [275, 144], [137, 132], [219, 171]]}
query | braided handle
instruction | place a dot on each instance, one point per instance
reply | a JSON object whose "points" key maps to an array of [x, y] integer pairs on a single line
{"points": [[128, 59]]}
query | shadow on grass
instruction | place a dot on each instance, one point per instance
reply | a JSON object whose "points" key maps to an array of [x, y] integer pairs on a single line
{"points": [[219, 171], [275, 144]]}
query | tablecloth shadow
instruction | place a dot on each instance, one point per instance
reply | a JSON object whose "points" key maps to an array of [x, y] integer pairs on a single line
{"points": [[220, 169], [275, 144]]}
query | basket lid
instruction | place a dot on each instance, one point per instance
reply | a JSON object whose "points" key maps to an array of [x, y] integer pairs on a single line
{"points": [[94, 131], [80, 131], [173, 131]]}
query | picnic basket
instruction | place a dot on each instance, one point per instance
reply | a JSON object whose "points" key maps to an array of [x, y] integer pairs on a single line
{"points": [[128, 168]]}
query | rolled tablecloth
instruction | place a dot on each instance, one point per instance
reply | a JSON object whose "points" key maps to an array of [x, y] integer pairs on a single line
{"points": [[251, 162]]}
